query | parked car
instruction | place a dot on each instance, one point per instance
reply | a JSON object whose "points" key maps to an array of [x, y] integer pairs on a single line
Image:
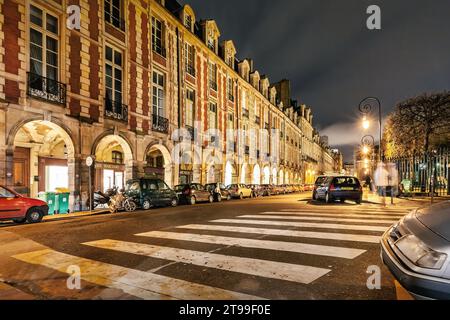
{"points": [[148, 193], [219, 191], [267, 190], [417, 251], [319, 181], [240, 190], [278, 189], [340, 188], [256, 189], [20, 209], [193, 193]]}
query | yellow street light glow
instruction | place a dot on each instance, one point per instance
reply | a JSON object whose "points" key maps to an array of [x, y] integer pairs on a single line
{"points": [[365, 150], [366, 123]]}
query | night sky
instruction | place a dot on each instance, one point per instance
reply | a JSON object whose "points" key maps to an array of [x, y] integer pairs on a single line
{"points": [[333, 60]]}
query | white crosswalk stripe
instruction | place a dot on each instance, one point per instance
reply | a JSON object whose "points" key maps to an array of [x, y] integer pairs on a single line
{"points": [[284, 232], [144, 285], [338, 215], [303, 224], [257, 267], [275, 217], [331, 251]]}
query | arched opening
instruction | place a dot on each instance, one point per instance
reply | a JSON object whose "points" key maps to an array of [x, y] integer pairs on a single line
{"points": [[114, 163], [211, 174], [286, 177], [266, 175], [159, 164], [230, 174], [244, 174], [274, 176], [281, 177], [43, 159], [256, 175]]}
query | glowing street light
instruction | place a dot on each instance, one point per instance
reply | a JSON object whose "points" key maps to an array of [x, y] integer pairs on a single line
{"points": [[365, 149], [366, 123]]}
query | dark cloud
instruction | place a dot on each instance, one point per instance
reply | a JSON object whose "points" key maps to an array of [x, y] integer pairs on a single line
{"points": [[330, 56]]}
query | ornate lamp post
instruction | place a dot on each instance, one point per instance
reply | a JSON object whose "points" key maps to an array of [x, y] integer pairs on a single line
{"points": [[365, 107]]}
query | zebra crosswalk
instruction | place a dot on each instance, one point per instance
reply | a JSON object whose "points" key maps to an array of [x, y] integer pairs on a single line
{"points": [[305, 231]]}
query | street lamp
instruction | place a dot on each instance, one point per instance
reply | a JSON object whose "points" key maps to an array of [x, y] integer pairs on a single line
{"points": [[365, 107]]}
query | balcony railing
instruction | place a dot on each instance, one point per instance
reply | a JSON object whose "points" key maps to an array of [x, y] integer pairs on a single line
{"points": [[190, 70], [159, 50], [46, 89], [116, 110], [257, 120], [160, 124], [245, 113], [213, 85]]}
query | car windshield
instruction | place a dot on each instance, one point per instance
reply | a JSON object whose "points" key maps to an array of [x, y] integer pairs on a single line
{"points": [[133, 186], [348, 181], [4, 193], [320, 180]]}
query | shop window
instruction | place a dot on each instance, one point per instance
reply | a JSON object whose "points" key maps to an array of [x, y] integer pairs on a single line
{"points": [[117, 157]]}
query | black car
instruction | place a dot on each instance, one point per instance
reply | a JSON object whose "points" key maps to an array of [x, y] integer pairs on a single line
{"points": [[219, 191], [148, 193], [193, 193], [267, 190], [339, 188]]}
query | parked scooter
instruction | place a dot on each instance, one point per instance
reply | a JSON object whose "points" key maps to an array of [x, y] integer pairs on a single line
{"points": [[102, 199], [120, 202]]}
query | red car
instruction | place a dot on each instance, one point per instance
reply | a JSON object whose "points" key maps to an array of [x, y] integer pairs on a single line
{"points": [[20, 209]]}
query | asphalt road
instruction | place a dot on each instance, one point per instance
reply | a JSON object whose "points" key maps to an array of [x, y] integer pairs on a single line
{"points": [[282, 247]]}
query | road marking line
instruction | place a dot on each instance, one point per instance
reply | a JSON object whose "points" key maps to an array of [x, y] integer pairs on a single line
{"points": [[337, 215], [287, 233], [303, 224], [256, 267], [330, 251], [251, 216], [138, 283], [367, 211]]}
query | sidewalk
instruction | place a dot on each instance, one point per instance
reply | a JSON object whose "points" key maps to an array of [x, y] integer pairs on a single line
{"points": [[402, 201], [75, 214]]}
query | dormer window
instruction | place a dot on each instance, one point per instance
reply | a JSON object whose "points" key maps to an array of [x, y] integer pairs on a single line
{"points": [[188, 22], [211, 43]]}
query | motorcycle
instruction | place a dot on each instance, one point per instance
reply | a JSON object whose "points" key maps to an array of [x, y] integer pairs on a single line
{"points": [[120, 202], [102, 199]]}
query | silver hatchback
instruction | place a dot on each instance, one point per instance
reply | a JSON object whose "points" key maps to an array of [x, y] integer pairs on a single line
{"points": [[417, 249]]}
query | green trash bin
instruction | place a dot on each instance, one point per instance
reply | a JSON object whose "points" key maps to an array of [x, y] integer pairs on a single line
{"points": [[50, 199], [63, 202]]}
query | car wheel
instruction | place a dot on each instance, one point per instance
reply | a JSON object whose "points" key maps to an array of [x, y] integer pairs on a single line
{"points": [[174, 202], [241, 196], [228, 197], [327, 198], [23, 220], [211, 199], [192, 201], [342, 200], [314, 196], [147, 204], [219, 197], [359, 201], [34, 215], [130, 206]]}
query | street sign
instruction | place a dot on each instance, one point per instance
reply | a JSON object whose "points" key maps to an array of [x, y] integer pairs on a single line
{"points": [[89, 161]]}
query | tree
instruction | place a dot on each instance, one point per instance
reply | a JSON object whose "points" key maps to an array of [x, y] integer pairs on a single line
{"points": [[415, 123]]}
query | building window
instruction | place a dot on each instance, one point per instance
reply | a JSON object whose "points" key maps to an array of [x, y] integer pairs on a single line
{"points": [[189, 112], [230, 89], [113, 74], [44, 45], [230, 121], [157, 37], [212, 75], [158, 94], [212, 116], [117, 157], [189, 57], [188, 22], [211, 43], [113, 13]]}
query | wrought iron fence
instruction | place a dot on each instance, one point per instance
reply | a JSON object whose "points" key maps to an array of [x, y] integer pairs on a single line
{"points": [[426, 171], [160, 124], [116, 110], [47, 89]]}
